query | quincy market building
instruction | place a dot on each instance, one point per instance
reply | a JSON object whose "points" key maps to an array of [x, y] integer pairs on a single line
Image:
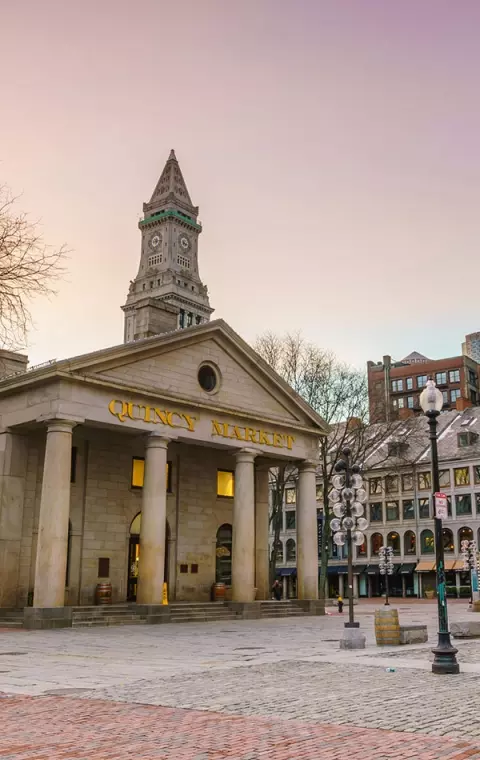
{"points": [[148, 462]]}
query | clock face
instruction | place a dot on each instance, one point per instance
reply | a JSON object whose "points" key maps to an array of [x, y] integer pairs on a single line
{"points": [[184, 243], [155, 240]]}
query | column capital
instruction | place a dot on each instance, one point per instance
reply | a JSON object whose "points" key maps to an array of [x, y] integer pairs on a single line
{"points": [[156, 441], [60, 426], [246, 455], [308, 465]]}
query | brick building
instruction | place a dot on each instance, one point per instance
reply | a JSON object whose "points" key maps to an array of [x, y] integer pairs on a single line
{"points": [[394, 387]]}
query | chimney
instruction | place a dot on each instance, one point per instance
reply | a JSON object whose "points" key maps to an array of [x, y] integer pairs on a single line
{"points": [[404, 414], [462, 403], [12, 363]]}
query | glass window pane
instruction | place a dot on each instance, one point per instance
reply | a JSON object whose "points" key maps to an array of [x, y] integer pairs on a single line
{"points": [[407, 482], [477, 500], [424, 508], [410, 542], [444, 476], [476, 472], [463, 504], [376, 512], [408, 509], [462, 476], [375, 485], [409, 383], [319, 493], [225, 483], [290, 519], [138, 473], [425, 480], [427, 542], [290, 495], [392, 510], [391, 483]]}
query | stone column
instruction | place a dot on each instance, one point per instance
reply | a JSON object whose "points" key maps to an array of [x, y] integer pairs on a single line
{"points": [[52, 542], [243, 543], [262, 581], [154, 519], [13, 468], [307, 554]]}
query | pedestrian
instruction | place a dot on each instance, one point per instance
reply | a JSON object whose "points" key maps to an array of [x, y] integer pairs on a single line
{"points": [[277, 591], [340, 603]]}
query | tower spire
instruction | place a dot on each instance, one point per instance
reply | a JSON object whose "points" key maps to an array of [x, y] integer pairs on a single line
{"points": [[171, 186]]}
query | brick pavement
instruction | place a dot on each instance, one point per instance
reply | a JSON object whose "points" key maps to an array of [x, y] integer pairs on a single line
{"points": [[62, 728]]}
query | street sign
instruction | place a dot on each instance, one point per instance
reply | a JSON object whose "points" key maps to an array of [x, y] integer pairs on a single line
{"points": [[441, 506]]}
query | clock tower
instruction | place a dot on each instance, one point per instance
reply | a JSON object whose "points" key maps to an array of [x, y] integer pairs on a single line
{"points": [[167, 292]]}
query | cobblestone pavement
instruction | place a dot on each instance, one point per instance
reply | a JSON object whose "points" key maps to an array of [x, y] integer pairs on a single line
{"points": [[276, 689], [56, 728]]}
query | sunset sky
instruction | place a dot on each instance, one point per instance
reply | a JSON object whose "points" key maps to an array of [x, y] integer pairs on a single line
{"points": [[332, 146]]}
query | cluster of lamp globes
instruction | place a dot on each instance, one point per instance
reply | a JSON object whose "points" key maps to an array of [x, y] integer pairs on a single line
{"points": [[348, 508], [385, 565], [469, 554]]}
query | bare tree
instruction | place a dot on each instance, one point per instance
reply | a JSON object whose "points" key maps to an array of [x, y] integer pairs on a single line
{"points": [[339, 394], [28, 268]]}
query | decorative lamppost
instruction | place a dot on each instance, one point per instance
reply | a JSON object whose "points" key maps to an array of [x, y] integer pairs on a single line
{"points": [[445, 661], [470, 565], [386, 567], [348, 498]]}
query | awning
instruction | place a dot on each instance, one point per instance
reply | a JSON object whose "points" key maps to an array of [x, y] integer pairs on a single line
{"points": [[407, 567], [286, 571], [459, 566], [336, 569], [450, 564], [425, 566]]}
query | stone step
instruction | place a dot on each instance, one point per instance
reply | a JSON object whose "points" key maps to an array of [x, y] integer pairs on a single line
{"points": [[201, 618], [107, 621], [11, 623]]}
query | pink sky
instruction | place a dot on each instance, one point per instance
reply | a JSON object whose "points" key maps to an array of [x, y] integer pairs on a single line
{"points": [[332, 146]]}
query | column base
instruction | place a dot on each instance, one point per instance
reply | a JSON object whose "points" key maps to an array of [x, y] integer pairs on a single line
{"points": [[43, 618], [352, 638], [445, 656]]}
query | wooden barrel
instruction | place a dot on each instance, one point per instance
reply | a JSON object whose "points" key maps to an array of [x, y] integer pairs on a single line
{"points": [[387, 627], [103, 593], [219, 592]]}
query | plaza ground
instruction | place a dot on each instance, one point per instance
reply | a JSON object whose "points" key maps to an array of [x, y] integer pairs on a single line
{"points": [[277, 689]]}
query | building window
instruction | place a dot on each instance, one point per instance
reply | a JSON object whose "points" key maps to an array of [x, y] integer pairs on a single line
{"points": [[393, 510], [408, 509], [407, 482], [424, 481], [279, 552], [183, 262], [225, 483], [290, 495], [208, 378], [397, 386], [477, 502], [424, 509], [375, 485], [465, 534], [291, 550], [448, 545], [376, 512], [462, 476], [444, 477], [362, 550], [421, 381], [290, 519], [409, 383], [410, 542], [138, 474], [454, 394], [319, 492], [445, 397], [463, 504], [189, 319], [454, 376], [441, 378], [376, 542], [391, 484], [393, 540], [409, 402], [427, 543], [401, 403], [473, 380], [181, 318], [449, 506], [476, 473]]}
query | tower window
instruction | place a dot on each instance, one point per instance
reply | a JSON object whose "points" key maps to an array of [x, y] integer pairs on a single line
{"points": [[181, 318], [183, 262], [143, 286], [155, 259]]}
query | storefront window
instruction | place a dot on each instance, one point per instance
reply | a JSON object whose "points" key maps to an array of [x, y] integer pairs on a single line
{"points": [[225, 483], [408, 509], [392, 510], [448, 545], [393, 540], [463, 504], [462, 476], [427, 542], [377, 542], [425, 481], [376, 512], [410, 542], [424, 508]]}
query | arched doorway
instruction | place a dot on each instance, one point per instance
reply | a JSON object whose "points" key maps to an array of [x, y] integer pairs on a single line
{"points": [[134, 556]]}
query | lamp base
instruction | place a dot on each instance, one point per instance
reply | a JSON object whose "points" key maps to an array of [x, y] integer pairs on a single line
{"points": [[445, 660], [351, 625]]}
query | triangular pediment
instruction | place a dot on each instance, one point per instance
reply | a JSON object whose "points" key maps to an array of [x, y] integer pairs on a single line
{"points": [[168, 364]]}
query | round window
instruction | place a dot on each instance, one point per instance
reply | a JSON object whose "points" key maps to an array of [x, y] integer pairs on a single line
{"points": [[207, 378]]}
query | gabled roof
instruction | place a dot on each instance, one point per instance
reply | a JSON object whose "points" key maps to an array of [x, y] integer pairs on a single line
{"points": [[415, 358], [98, 364]]}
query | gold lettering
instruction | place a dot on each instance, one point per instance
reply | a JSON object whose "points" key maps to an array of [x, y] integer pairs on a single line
{"points": [[264, 438], [121, 415], [278, 440], [237, 433], [190, 420], [219, 428], [251, 435], [290, 441], [162, 418], [148, 409], [130, 407]]}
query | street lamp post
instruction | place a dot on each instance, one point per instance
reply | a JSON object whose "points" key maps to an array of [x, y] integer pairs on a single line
{"points": [[386, 567], [348, 498], [445, 661]]}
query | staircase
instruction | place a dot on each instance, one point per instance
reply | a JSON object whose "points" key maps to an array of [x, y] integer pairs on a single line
{"points": [[288, 608], [200, 612], [11, 617], [108, 614]]}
